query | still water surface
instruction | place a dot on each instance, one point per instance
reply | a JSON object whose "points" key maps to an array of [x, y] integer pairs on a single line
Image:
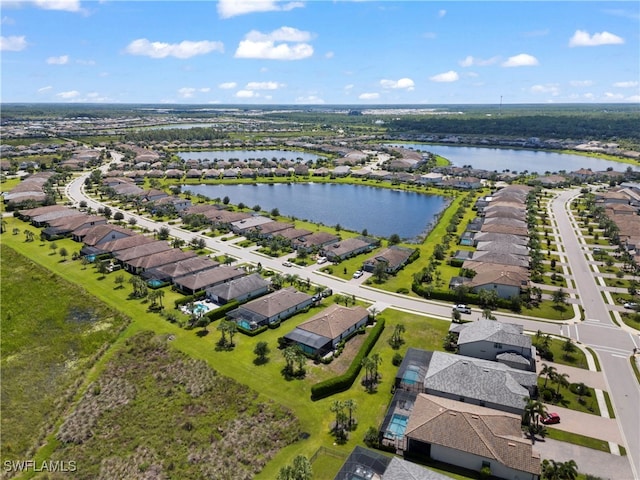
{"points": [[381, 211], [499, 159]]}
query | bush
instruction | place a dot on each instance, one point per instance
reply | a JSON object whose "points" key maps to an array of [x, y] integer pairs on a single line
{"points": [[396, 360], [343, 382], [547, 394]]}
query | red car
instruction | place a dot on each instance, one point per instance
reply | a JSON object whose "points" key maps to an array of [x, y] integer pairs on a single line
{"points": [[551, 418]]}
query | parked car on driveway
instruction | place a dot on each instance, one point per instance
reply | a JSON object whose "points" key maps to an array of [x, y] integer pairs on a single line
{"points": [[462, 308], [551, 418], [631, 305], [358, 274]]}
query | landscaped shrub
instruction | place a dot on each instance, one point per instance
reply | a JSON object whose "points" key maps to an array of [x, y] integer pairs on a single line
{"points": [[547, 394], [189, 298], [221, 311], [343, 382]]}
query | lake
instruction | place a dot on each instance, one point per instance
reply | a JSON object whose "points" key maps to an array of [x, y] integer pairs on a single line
{"points": [[499, 159], [248, 155], [381, 211]]}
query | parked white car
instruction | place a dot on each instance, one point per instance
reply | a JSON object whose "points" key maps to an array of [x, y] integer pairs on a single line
{"points": [[358, 274]]}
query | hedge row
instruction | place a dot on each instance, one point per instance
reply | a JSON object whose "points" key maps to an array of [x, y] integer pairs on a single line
{"points": [[343, 382], [189, 298], [454, 297], [222, 311]]}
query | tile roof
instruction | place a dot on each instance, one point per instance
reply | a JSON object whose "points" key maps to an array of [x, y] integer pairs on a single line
{"points": [[333, 321], [472, 429]]}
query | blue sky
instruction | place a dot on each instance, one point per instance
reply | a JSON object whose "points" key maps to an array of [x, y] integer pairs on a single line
{"points": [[320, 52]]}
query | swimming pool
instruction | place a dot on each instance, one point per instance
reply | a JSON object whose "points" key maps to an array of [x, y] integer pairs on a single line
{"points": [[397, 426], [411, 376], [155, 283]]}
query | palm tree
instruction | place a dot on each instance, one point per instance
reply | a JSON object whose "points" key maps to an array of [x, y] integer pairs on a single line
{"points": [[549, 372], [561, 380], [569, 470], [290, 355], [533, 410], [351, 406]]}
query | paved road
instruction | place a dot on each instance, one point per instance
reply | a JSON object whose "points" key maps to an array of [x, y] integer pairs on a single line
{"points": [[612, 343]]}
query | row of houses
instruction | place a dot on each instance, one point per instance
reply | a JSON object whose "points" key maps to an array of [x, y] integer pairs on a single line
{"points": [[500, 236], [622, 205], [465, 409], [160, 264]]}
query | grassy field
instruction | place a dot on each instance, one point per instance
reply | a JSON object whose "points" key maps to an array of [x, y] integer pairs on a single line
{"points": [[154, 409], [52, 333]]}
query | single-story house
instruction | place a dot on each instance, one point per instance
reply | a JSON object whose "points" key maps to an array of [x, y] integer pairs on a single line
{"points": [[471, 437], [196, 282], [506, 280], [99, 234], [394, 258], [65, 226], [321, 333], [317, 240], [349, 247], [271, 308], [241, 289], [190, 266], [142, 264], [365, 463], [249, 223], [128, 254]]}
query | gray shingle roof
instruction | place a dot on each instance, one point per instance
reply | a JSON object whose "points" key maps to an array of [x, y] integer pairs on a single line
{"points": [[494, 331]]}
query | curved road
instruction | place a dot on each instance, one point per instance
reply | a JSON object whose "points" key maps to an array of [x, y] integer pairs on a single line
{"points": [[612, 343]]}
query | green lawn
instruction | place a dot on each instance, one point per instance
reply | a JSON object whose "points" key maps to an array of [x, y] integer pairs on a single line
{"points": [[52, 334], [578, 439]]}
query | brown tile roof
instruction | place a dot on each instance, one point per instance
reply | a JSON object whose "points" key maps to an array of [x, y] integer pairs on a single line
{"points": [[126, 242], [161, 258], [334, 320], [95, 233], [207, 278], [477, 430], [189, 266], [142, 250], [276, 302]]}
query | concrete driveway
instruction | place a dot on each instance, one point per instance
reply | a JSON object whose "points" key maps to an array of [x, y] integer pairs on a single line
{"points": [[587, 424], [589, 461]]}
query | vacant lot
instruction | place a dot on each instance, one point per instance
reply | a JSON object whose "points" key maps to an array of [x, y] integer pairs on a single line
{"points": [[156, 413], [52, 333]]}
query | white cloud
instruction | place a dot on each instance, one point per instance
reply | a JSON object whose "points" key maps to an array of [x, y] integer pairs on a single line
{"points": [[263, 86], [189, 92], [227, 85], [186, 92], [549, 88], [450, 76], [275, 46], [581, 83], [232, 8], [13, 43], [521, 60], [582, 39], [633, 99], [68, 95], [45, 89], [329, 55], [184, 49], [403, 83], [630, 84], [246, 94], [613, 96], [89, 63], [470, 61], [7, 21], [65, 5], [61, 60], [349, 87], [311, 99], [441, 13], [369, 96]]}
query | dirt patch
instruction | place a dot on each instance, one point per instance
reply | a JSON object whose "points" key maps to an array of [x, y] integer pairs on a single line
{"points": [[341, 364]]}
